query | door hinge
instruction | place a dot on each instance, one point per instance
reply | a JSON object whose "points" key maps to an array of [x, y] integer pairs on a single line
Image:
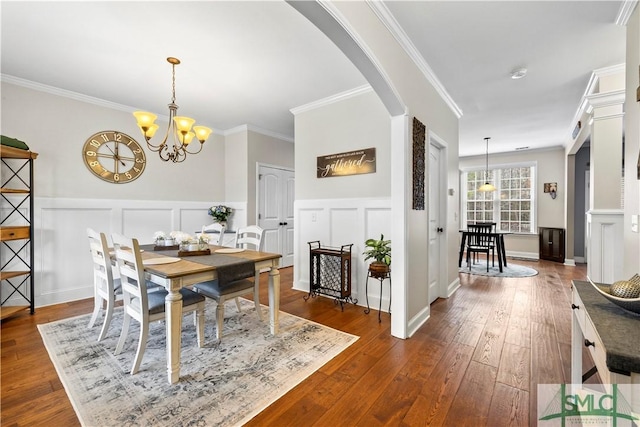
{"points": [[259, 216], [259, 176]]}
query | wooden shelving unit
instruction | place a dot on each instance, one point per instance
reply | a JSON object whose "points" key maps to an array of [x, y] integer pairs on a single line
{"points": [[16, 272]]}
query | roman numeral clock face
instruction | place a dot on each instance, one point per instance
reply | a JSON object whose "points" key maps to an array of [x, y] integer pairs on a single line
{"points": [[114, 156]]}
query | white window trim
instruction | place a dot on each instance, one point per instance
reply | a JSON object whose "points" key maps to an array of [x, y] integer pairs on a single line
{"points": [[534, 198]]}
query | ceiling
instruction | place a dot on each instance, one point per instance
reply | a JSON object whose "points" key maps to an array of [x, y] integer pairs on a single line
{"points": [[251, 62]]}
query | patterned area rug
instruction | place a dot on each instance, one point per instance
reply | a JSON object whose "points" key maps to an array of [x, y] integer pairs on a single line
{"points": [[223, 384], [510, 270]]}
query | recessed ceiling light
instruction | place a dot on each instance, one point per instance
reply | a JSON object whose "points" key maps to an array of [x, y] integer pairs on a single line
{"points": [[519, 73]]}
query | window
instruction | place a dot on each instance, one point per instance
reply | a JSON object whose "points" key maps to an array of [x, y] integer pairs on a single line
{"points": [[511, 206]]}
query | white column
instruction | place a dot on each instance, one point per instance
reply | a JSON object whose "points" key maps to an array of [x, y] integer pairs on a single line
{"points": [[605, 243]]}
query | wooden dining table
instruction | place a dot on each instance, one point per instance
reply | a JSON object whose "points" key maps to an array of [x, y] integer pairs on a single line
{"points": [[195, 269], [498, 238]]}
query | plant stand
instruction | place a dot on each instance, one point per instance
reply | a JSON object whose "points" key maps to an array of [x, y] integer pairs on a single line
{"points": [[381, 278], [330, 273]]}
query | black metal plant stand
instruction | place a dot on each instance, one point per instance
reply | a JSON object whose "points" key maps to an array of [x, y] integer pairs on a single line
{"points": [[381, 278], [330, 272]]}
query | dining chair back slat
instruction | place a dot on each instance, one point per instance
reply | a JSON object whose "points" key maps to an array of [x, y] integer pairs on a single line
{"points": [[106, 284], [219, 229], [143, 306]]}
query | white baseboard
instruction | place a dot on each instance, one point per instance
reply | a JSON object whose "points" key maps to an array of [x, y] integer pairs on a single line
{"points": [[580, 260], [418, 320], [453, 286], [523, 255], [569, 262]]}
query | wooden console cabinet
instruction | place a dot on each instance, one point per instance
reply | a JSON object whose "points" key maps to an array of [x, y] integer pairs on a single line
{"points": [[612, 336], [551, 243]]}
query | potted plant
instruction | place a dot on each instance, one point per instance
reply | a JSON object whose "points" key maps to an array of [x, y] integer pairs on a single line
{"points": [[220, 213], [161, 239], [380, 251]]}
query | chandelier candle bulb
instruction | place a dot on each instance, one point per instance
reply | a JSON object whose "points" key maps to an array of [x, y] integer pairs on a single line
{"points": [[202, 133], [184, 123]]}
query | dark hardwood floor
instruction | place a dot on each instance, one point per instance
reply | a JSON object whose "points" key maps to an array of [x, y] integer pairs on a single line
{"points": [[476, 362]]}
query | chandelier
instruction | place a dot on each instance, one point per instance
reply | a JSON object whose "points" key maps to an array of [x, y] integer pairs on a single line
{"points": [[179, 134], [487, 186]]}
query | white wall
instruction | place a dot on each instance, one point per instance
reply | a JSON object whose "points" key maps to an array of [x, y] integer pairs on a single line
{"points": [[56, 127], [632, 147], [266, 150], [353, 123], [346, 209], [549, 212]]}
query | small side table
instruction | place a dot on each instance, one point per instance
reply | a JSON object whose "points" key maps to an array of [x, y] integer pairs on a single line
{"points": [[381, 278]]}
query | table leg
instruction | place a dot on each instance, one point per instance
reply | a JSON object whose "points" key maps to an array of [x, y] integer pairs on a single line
{"points": [[499, 243], [274, 299], [173, 312], [462, 242], [504, 253]]}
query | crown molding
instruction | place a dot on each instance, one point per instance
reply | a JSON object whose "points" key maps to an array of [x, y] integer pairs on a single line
{"points": [[76, 96], [611, 70], [64, 93], [626, 10], [607, 99], [389, 21], [586, 107], [256, 129], [332, 99], [120, 107]]}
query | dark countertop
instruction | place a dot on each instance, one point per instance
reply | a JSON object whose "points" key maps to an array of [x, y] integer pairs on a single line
{"points": [[618, 329]]}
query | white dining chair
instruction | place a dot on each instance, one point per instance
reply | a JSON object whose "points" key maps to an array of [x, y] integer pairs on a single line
{"points": [[214, 239], [143, 306], [106, 287], [250, 237], [235, 283]]}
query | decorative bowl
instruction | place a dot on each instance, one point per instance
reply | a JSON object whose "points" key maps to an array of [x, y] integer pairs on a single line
{"points": [[631, 305]]}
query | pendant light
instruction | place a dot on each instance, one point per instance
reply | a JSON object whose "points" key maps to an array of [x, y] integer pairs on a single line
{"points": [[487, 186]]}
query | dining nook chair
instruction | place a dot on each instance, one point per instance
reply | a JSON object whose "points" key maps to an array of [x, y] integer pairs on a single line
{"points": [[106, 288], [234, 281], [489, 227], [218, 230], [250, 237], [146, 307], [479, 240]]}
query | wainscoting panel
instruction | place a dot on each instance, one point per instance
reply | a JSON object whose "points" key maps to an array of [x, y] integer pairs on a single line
{"points": [[605, 245], [62, 260], [338, 222]]}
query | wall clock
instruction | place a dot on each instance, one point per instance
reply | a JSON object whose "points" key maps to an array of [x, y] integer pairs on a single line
{"points": [[114, 156]]}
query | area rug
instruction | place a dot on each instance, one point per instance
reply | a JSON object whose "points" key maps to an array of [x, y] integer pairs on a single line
{"points": [[510, 270], [224, 384]]}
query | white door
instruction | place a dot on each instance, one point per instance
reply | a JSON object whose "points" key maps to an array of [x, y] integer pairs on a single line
{"points": [[435, 227], [276, 192]]}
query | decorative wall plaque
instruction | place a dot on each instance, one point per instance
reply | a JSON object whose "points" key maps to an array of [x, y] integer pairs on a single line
{"points": [[419, 133], [349, 163]]}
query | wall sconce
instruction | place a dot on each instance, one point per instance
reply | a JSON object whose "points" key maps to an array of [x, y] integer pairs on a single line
{"points": [[551, 188]]}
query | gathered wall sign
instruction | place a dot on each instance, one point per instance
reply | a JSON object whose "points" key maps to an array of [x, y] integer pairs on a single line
{"points": [[349, 163]]}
